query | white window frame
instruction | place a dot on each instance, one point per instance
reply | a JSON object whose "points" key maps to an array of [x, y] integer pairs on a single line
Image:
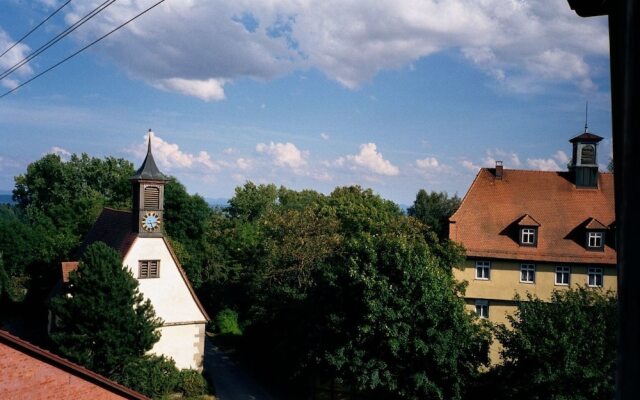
{"points": [[595, 272], [482, 309], [598, 240], [563, 271], [528, 271], [483, 270], [529, 234]]}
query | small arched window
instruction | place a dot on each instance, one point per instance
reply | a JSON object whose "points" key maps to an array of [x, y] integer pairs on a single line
{"points": [[152, 197]]}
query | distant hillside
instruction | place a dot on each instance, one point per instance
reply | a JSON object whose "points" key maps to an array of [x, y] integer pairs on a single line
{"points": [[5, 197], [218, 202]]}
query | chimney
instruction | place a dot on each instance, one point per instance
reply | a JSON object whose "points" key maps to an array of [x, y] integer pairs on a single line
{"points": [[499, 170]]}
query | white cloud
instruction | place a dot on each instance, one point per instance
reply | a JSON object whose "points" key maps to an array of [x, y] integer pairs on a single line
{"points": [[170, 157], [370, 160], [542, 164], [285, 155], [243, 164], [13, 57], [207, 90], [63, 153], [324, 136], [470, 166], [229, 150], [561, 157], [195, 47]]}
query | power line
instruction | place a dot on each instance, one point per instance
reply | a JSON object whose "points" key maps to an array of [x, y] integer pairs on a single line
{"points": [[57, 38], [36, 27], [82, 49]]}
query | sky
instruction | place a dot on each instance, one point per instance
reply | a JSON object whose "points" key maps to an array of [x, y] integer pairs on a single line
{"points": [[393, 95]]}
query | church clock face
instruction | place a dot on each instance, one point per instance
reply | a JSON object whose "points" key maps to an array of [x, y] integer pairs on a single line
{"points": [[150, 221]]}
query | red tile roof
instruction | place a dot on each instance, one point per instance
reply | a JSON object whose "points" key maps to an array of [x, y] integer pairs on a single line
{"points": [[67, 267], [37, 373], [486, 223], [112, 227]]}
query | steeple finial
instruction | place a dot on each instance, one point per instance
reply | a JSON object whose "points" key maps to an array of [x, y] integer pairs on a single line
{"points": [[149, 169], [586, 116], [149, 145]]}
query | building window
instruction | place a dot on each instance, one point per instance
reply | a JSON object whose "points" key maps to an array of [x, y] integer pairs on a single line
{"points": [[595, 277], [527, 273], [149, 269], [595, 240], [562, 275], [482, 308], [528, 236], [483, 270]]}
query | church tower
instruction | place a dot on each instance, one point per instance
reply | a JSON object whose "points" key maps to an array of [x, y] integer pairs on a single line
{"points": [[148, 197], [584, 162]]}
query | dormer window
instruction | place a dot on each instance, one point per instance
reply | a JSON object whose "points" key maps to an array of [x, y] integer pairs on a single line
{"points": [[527, 231], [528, 236], [595, 240], [595, 235]]}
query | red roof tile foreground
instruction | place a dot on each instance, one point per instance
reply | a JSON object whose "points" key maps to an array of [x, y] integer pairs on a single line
{"points": [[486, 223], [29, 372]]}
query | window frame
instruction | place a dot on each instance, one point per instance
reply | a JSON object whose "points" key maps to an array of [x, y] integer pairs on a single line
{"points": [[532, 233], [595, 235], [529, 268], [147, 273], [482, 308], [596, 272], [484, 266], [563, 269]]}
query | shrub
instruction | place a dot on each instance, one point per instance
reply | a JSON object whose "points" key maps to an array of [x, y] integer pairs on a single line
{"points": [[191, 383], [227, 322], [151, 375]]}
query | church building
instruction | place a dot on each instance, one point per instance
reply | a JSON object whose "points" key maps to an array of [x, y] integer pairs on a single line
{"points": [[138, 236]]}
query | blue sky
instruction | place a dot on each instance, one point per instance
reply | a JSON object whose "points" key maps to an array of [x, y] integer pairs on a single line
{"points": [[394, 95]]}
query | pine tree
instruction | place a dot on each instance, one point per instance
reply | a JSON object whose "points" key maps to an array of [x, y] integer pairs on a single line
{"points": [[103, 320]]}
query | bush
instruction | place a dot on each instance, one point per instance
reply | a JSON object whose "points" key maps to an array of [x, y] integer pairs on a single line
{"points": [[227, 322], [151, 375], [191, 383]]}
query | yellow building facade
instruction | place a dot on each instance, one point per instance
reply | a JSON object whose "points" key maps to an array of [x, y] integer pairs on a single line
{"points": [[533, 232]]}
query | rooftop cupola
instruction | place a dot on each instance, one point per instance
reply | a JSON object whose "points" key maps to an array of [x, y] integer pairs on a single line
{"points": [[148, 196], [584, 162]]}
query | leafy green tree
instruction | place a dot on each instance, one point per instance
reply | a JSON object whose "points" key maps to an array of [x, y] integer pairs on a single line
{"points": [[347, 287], [152, 375], [393, 323], [562, 349], [186, 221], [434, 210], [72, 193], [251, 200], [104, 320]]}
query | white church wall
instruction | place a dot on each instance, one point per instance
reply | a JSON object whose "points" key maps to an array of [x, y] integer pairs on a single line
{"points": [[168, 293], [183, 343]]}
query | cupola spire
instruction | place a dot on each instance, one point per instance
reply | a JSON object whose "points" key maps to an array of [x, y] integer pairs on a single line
{"points": [[149, 169]]}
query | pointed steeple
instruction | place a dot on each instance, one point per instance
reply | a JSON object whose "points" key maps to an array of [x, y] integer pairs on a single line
{"points": [[149, 169]]}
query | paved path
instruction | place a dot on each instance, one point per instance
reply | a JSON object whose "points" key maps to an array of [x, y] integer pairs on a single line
{"points": [[231, 381]]}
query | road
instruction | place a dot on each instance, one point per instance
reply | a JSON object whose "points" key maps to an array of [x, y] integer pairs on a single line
{"points": [[230, 380]]}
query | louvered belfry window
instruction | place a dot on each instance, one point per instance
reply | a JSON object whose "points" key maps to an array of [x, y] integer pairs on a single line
{"points": [[151, 197], [149, 269]]}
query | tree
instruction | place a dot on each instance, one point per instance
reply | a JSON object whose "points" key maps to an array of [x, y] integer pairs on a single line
{"points": [[393, 323], [434, 210], [72, 193], [347, 287], [562, 349], [104, 320]]}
